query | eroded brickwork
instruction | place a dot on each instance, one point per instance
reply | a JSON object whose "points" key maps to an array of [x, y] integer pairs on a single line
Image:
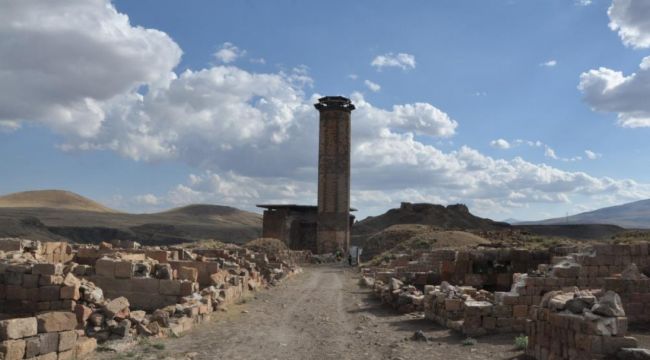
{"points": [[333, 231]]}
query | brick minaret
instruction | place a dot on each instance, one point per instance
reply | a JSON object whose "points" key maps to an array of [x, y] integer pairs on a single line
{"points": [[334, 174]]}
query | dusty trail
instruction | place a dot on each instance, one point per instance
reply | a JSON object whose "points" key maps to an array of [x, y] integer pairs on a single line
{"points": [[319, 314]]}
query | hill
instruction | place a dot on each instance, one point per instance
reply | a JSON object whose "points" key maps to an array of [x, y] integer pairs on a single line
{"points": [[426, 225], [415, 237], [452, 217], [635, 215], [56, 217], [56, 199]]}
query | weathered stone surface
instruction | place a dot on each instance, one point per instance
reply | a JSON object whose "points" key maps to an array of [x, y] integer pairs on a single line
{"points": [[137, 316], [66, 355], [170, 287], [105, 267], [395, 284], [67, 340], [32, 346], [56, 321], [47, 269], [12, 349], [118, 307], [609, 305], [18, 328], [85, 346], [124, 269], [49, 342], [188, 273]]}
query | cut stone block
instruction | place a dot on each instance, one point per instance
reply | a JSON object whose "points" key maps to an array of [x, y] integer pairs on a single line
{"points": [[12, 349], [85, 346], [67, 340], [47, 269], [18, 328], [56, 321], [49, 343]]}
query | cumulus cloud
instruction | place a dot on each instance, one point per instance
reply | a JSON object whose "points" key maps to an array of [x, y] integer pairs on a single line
{"points": [[62, 72], [147, 199], [500, 144], [631, 19], [550, 63], [374, 87], [251, 137], [401, 60], [591, 155], [229, 53], [583, 2], [608, 90]]}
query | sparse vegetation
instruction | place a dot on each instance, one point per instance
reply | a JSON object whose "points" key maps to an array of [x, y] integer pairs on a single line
{"points": [[469, 342], [521, 342], [267, 245]]}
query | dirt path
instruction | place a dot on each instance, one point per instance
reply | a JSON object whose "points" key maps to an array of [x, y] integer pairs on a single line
{"points": [[319, 314]]}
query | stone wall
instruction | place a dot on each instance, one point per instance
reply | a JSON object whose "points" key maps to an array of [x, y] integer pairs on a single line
{"points": [[577, 325], [49, 335]]}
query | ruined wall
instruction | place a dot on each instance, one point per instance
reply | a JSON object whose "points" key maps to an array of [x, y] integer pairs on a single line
{"points": [[491, 269], [598, 332], [49, 335]]}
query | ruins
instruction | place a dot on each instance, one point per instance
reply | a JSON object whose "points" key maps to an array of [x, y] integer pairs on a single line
{"points": [[59, 301], [326, 227], [571, 302]]}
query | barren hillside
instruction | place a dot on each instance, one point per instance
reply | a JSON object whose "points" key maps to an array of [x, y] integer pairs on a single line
{"points": [[55, 199], [60, 215]]}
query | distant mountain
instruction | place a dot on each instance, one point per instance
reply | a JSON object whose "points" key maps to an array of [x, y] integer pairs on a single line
{"points": [[635, 215], [511, 221], [57, 199], [57, 215]]}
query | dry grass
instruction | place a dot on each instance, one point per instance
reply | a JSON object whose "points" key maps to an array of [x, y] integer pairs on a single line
{"points": [[269, 246]]}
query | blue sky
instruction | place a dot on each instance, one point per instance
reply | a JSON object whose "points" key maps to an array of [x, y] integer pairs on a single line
{"points": [[512, 107]]}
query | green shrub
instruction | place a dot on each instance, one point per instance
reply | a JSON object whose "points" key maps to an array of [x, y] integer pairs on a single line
{"points": [[521, 342], [469, 342]]}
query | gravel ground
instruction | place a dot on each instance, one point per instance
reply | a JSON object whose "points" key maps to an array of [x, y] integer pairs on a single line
{"points": [[319, 314]]}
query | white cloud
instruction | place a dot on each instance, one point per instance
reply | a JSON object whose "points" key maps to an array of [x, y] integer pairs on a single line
{"points": [[229, 53], [61, 71], [583, 2], [147, 199], [353, 76], [550, 153], [261, 61], [631, 19], [374, 87], [592, 155], [8, 126], [607, 90], [550, 63], [401, 60], [252, 137], [500, 144]]}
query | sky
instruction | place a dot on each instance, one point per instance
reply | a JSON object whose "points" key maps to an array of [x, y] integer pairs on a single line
{"points": [[523, 109]]}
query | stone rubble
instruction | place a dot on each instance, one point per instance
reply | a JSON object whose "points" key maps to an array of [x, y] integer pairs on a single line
{"points": [[61, 304]]}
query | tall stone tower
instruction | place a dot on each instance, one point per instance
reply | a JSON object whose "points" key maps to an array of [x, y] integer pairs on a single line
{"points": [[333, 229]]}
